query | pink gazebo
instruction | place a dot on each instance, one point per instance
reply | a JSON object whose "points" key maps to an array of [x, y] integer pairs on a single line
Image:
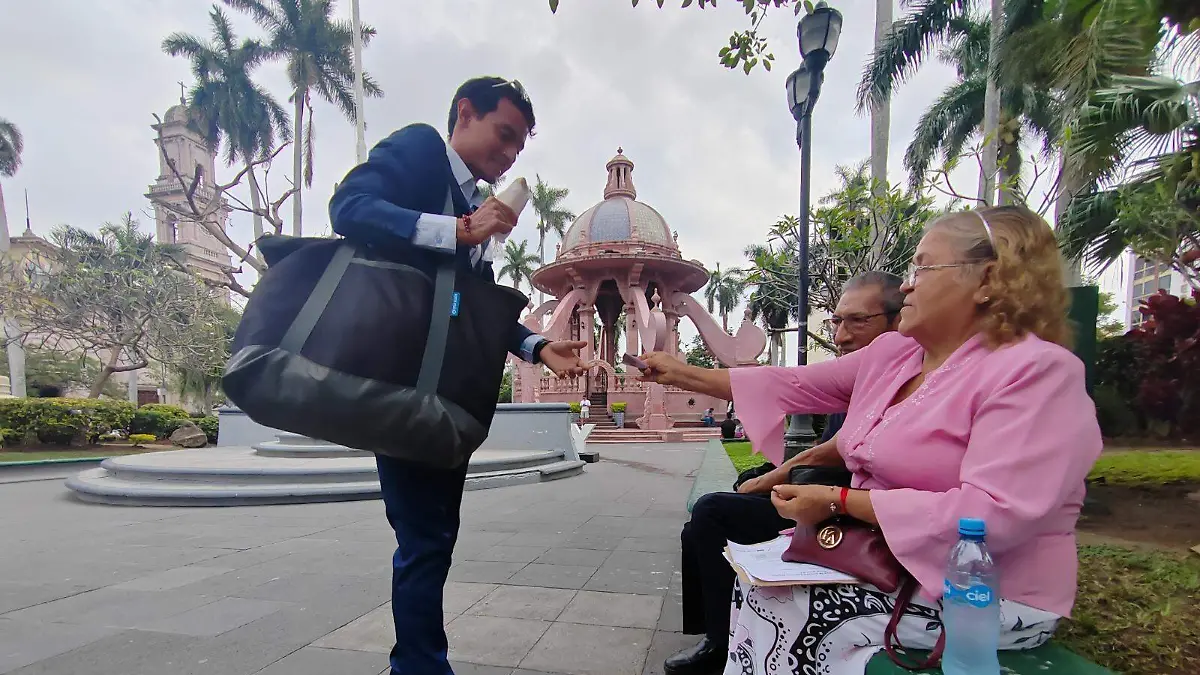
{"points": [[620, 262]]}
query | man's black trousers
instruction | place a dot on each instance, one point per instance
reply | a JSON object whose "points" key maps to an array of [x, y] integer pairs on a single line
{"points": [[707, 577]]}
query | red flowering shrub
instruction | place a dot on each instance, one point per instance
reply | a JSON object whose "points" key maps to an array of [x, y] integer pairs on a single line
{"points": [[1168, 355]]}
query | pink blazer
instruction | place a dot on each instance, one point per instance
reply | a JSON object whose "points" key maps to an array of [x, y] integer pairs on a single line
{"points": [[1006, 435]]}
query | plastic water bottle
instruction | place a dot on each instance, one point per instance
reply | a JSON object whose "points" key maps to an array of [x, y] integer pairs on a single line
{"points": [[970, 605]]}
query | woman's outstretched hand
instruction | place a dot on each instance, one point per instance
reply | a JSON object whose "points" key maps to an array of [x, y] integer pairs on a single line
{"points": [[663, 369]]}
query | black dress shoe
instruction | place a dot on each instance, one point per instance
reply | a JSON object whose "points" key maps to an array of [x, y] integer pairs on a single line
{"points": [[705, 658]]}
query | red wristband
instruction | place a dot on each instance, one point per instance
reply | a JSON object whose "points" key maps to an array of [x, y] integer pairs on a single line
{"points": [[842, 499], [466, 221]]}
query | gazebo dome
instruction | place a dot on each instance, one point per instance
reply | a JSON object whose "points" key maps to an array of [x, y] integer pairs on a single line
{"points": [[619, 218]]}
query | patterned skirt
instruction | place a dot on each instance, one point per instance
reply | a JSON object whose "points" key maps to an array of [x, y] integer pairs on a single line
{"points": [[836, 629]]}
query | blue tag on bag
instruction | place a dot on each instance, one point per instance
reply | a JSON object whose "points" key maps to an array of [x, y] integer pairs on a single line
{"points": [[454, 302]]}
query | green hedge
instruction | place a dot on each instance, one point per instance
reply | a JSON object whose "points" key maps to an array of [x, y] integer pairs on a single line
{"points": [[63, 420], [158, 419], [10, 438], [208, 424]]}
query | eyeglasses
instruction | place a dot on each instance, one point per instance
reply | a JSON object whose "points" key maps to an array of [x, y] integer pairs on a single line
{"points": [[913, 269], [910, 276], [854, 321]]}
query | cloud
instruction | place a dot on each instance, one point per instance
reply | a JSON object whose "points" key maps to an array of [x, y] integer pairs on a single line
{"points": [[714, 149]]}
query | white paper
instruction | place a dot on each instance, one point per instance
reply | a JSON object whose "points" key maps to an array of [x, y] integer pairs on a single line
{"points": [[515, 196], [765, 562]]}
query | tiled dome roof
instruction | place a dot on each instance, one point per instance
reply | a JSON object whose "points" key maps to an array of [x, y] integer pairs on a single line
{"points": [[620, 217]]}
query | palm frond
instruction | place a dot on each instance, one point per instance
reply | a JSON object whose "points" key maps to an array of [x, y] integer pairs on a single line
{"points": [[1136, 113], [904, 48], [960, 107], [264, 14], [12, 144]]}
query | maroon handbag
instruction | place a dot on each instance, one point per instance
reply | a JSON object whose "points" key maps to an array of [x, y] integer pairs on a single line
{"points": [[849, 546], [853, 547]]}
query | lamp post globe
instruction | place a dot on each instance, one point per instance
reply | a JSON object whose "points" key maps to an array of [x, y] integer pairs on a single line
{"points": [[818, 34], [799, 85]]}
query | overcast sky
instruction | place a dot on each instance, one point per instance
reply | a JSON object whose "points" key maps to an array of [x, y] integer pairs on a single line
{"points": [[714, 149]]}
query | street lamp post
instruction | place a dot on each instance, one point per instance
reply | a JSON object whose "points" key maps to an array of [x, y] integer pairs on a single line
{"points": [[817, 34]]}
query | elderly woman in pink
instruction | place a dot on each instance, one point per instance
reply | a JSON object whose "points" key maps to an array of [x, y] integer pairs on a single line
{"points": [[975, 408]]}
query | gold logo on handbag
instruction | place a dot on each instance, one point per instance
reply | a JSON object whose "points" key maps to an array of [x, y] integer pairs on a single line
{"points": [[829, 537]]}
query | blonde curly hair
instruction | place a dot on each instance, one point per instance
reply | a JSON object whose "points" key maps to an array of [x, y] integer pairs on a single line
{"points": [[1026, 290]]}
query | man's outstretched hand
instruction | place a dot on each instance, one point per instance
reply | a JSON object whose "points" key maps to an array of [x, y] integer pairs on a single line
{"points": [[562, 357]]}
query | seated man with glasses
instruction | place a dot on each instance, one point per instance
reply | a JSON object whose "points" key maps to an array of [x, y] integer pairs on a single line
{"points": [[870, 306]]}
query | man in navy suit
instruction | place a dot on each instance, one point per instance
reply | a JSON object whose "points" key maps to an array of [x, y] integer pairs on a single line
{"points": [[399, 198]]}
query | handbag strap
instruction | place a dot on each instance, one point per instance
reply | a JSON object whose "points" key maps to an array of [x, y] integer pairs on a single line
{"points": [[439, 321], [310, 313], [891, 641]]}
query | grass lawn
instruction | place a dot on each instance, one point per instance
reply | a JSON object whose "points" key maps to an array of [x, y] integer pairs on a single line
{"points": [[1126, 466], [1137, 611], [103, 451], [743, 457], [1132, 467]]}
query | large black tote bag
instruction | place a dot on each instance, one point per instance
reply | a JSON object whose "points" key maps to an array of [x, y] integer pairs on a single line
{"points": [[342, 345]]}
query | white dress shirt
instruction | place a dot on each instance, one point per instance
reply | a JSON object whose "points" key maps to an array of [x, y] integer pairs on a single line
{"points": [[440, 232]]}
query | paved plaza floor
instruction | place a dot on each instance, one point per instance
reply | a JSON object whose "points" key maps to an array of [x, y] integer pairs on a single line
{"points": [[577, 576]]}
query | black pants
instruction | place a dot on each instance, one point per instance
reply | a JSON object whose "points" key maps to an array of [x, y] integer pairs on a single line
{"points": [[422, 505], [707, 577]]}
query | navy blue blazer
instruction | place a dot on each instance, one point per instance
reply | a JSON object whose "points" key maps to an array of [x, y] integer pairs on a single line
{"points": [[379, 202]]}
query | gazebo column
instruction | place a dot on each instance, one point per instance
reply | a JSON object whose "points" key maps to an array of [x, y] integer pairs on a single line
{"points": [[587, 331], [674, 340], [631, 331]]}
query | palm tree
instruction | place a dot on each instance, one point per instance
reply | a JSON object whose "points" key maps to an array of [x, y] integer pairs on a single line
{"points": [[1138, 115], [319, 51], [227, 104], [909, 43], [552, 217], [1154, 212], [881, 113], [769, 303], [11, 147], [1075, 47], [959, 113], [724, 292], [518, 263]]}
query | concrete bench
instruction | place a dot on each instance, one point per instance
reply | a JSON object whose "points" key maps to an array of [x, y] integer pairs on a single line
{"points": [[716, 474], [1049, 659]]}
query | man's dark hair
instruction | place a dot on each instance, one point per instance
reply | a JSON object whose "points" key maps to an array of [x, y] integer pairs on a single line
{"points": [[485, 94], [888, 285]]}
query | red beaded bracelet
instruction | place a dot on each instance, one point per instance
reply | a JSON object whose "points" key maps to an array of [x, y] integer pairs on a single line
{"points": [[466, 221]]}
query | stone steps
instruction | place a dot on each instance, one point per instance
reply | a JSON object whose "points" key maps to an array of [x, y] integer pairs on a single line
{"points": [[245, 476], [600, 435]]}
